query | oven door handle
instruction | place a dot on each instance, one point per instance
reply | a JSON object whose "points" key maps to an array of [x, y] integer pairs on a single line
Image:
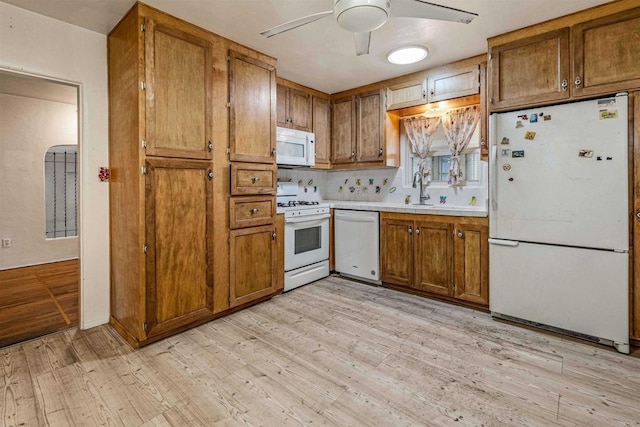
{"points": [[310, 218]]}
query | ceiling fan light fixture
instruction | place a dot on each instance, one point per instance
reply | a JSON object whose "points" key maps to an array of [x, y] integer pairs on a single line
{"points": [[407, 55], [361, 16]]}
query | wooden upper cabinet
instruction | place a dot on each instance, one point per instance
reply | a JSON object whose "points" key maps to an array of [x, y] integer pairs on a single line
{"points": [[253, 263], [322, 129], [529, 71], [178, 88], [454, 84], [471, 252], [409, 94], [433, 257], [343, 131], [179, 243], [370, 127], [252, 115], [294, 109], [606, 54], [396, 251]]}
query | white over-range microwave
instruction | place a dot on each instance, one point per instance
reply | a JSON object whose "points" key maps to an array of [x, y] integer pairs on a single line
{"points": [[295, 148]]}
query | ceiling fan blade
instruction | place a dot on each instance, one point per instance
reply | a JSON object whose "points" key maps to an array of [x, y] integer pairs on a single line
{"points": [[362, 41], [278, 29], [426, 10]]}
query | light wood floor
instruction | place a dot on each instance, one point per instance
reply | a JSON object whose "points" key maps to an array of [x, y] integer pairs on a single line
{"points": [[333, 353], [38, 300]]}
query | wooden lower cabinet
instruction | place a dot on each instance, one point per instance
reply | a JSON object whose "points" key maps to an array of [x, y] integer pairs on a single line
{"points": [[396, 251], [179, 231], [438, 255], [253, 260], [433, 257], [470, 264]]}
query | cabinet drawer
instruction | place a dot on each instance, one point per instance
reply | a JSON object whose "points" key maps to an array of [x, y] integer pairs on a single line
{"points": [[251, 211], [249, 178]]}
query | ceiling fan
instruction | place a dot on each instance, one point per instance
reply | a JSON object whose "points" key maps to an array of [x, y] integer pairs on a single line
{"points": [[363, 16]]}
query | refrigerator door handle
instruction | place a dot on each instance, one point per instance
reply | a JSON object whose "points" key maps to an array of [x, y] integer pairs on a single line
{"points": [[493, 163], [501, 242]]}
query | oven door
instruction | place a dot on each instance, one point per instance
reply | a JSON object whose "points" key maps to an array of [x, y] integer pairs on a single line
{"points": [[306, 240]]}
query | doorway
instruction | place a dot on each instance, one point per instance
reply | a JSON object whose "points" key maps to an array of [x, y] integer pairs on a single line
{"points": [[39, 190]]}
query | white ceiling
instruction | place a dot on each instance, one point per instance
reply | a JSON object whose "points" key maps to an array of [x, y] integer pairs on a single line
{"points": [[321, 55]]}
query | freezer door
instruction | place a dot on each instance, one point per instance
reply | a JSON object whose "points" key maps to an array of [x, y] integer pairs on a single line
{"points": [[580, 290], [562, 177]]}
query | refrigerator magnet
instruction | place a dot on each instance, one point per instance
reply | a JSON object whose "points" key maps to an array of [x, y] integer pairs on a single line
{"points": [[533, 118], [530, 135], [505, 152], [519, 124], [547, 117], [585, 154], [505, 141], [517, 153], [608, 114], [506, 167], [523, 117]]}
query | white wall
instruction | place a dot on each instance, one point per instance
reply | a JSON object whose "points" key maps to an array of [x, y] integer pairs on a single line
{"points": [[36, 44], [28, 128]]}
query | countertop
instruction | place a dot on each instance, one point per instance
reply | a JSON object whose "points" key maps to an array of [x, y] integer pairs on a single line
{"points": [[435, 209]]}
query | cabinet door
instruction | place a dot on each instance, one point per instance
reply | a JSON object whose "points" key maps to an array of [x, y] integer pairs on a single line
{"points": [[396, 251], [252, 115], [300, 110], [433, 255], [179, 230], [606, 54], [454, 84], [282, 99], [322, 129], [343, 131], [407, 95], [178, 79], [370, 127], [530, 71], [253, 260], [471, 263]]}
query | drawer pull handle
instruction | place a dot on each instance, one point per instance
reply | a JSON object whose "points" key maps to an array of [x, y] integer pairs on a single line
{"points": [[255, 179], [564, 84], [577, 82], [254, 210]]}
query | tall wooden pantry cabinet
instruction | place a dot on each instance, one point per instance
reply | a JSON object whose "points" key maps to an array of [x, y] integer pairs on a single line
{"points": [[169, 148]]}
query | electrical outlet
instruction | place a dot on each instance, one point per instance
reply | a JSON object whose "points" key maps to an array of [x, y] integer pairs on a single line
{"points": [[6, 242]]}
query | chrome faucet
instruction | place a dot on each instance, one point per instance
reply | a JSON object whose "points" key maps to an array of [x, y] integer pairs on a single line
{"points": [[418, 177]]}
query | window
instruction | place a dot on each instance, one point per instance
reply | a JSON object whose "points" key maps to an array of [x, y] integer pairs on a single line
{"points": [[61, 191], [439, 159]]}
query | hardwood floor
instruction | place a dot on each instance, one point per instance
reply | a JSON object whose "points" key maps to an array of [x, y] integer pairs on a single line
{"points": [[38, 300], [332, 353]]}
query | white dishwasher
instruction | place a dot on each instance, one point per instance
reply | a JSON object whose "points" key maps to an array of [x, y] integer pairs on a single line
{"points": [[357, 240]]}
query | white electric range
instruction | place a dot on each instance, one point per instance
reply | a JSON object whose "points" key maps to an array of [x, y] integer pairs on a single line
{"points": [[306, 237]]}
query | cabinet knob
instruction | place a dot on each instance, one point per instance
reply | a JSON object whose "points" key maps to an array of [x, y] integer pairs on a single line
{"points": [[410, 230], [380, 152], [432, 93], [255, 179], [210, 146], [353, 154], [254, 211], [638, 214], [210, 174], [577, 81], [461, 234], [273, 152], [564, 84], [273, 235], [417, 231]]}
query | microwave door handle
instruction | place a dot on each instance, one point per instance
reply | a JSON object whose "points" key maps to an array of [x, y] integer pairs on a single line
{"points": [[306, 219]]}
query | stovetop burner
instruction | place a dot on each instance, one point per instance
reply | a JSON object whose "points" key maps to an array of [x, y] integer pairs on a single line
{"points": [[294, 203]]}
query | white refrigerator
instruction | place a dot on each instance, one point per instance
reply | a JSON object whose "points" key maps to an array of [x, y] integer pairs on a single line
{"points": [[559, 219]]}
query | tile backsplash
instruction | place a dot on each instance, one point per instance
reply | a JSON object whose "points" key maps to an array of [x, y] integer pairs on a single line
{"points": [[379, 185]]}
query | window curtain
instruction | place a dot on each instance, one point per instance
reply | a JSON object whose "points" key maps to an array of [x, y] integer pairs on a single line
{"points": [[420, 131], [459, 126]]}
